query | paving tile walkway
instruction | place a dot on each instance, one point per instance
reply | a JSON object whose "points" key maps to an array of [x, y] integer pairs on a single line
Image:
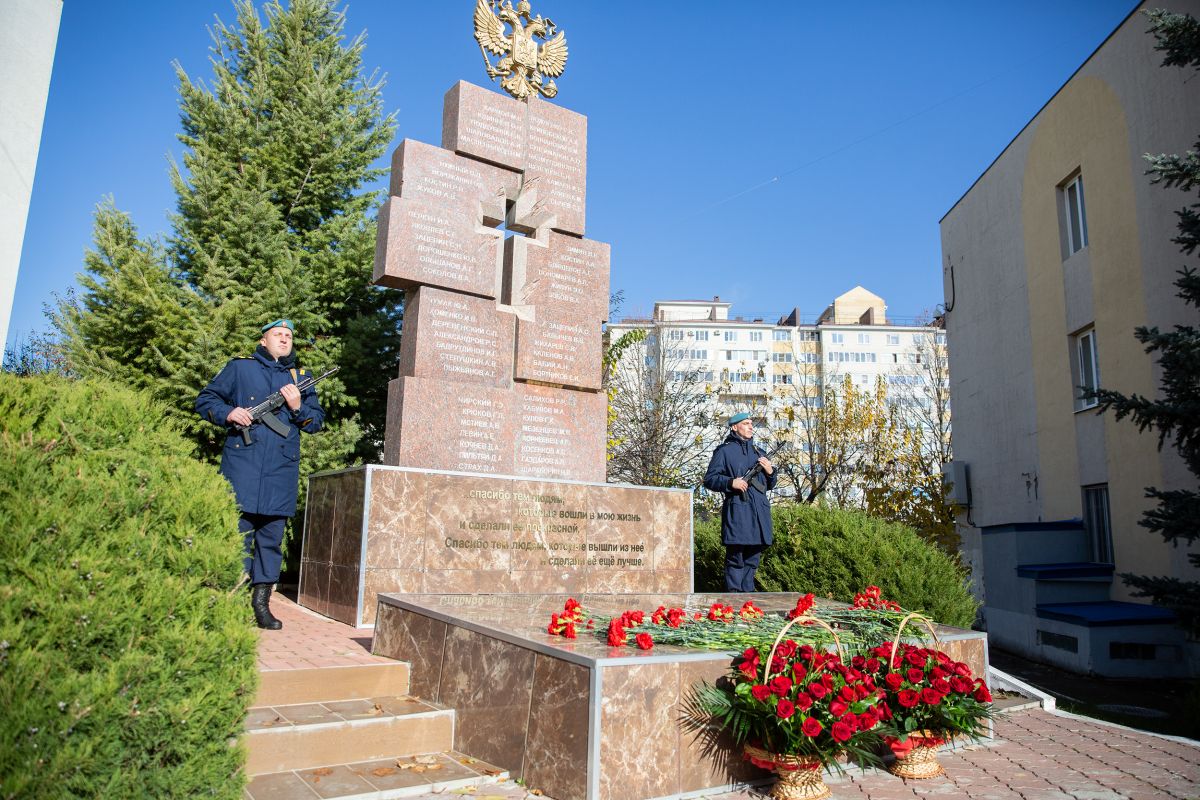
{"points": [[1036, 755]]}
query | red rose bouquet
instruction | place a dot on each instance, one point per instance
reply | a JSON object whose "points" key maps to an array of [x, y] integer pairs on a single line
{"points": [[796, 700], [931, 697]]}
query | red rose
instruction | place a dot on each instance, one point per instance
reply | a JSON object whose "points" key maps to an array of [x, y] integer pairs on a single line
{"points": [[914, 675], [863, 691], [961, 669], [907, 698], [785, 709], [842, 731], [872, 665], [960, 685], [893, 680], [868, 719], [931, 697], [827, 681], [817, 690], [787, 648], [838, 708], [938, 672], [811, 727], [942, 686], [982, 694], [944, 659], [799, 671], [781, 685], [644, 641], [760, 691], [804, 701], [916, 658]]}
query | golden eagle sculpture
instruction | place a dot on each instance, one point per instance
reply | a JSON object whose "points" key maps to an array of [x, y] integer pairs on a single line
{"points": [[524, 66]]}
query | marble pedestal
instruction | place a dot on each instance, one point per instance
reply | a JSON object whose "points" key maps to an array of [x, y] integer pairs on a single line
{"points": [[376, 529], [577, 719]]}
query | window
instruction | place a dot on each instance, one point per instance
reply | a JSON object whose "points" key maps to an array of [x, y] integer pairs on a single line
{"points": [[893, 338], [836, 338], [701, 336], [781, 379], [1096, 522], [784, 358], [756, 336], [809, 358], [864, 338], [809, 336], [731, 336], [1075, 215], [781, 336], [940, 339], [1087, 368], [675, 336]]}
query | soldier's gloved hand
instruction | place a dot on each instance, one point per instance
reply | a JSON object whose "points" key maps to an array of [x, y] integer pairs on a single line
{"points": [[239, 416], [738, 484], [291, 396]]}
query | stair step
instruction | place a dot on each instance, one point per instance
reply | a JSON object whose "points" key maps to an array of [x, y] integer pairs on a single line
{"points": [[302, 736], [317, 684], [1067, 571], [1106, 613], [378, 779]]}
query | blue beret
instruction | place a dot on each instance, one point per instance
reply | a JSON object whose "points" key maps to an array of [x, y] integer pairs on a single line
{"points": [[736, 418], [279, 323]]}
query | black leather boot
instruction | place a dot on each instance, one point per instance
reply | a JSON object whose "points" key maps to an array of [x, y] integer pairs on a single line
{"points": [[260, 601]]}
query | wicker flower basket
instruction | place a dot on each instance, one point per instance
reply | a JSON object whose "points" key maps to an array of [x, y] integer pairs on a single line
{"points": [[917, 758], [800, 777]]}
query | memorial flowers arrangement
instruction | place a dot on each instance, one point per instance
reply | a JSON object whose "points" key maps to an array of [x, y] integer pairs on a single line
{"points": [[797, 700], [931, 696], [723, 627]]}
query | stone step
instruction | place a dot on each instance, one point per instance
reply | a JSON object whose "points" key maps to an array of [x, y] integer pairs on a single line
{"points": [[378, 779], [284, 738], [315, 685]]}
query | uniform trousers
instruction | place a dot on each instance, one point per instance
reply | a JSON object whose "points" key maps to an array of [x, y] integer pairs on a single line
{"points": [[741, 562], [264, 546]]}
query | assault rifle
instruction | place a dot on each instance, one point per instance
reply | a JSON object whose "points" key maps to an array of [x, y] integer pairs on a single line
{"points": [[753, 476], [264, 412]]}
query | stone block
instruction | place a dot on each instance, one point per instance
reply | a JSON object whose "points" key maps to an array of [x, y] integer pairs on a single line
{"points": [[454, 337], [560, 433], [424, 172], [556, 163], [419, 242], [437, 425], [484, 124]]}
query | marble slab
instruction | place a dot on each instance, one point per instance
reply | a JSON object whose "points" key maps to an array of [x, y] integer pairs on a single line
{"points": [[450, 336], [545, 142], [612, 729], [377, 529]]}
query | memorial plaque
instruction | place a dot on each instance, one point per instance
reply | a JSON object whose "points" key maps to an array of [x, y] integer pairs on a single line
{"points": [[420, 243], [562, 275], [437, 425], [455, 337], [413, 530], [560, 433], [483, 124], [559, 349], [423, 172], [556, 164]]}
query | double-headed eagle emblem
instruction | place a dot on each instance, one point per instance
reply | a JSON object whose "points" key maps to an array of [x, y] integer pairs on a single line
{"points": [[523, 63]]}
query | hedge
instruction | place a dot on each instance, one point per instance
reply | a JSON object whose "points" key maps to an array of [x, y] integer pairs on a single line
{"points": [[127, 658], [835, 553]]}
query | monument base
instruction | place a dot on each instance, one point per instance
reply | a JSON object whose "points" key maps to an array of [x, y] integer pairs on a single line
{"points": [[576, 718], [376, 529]]}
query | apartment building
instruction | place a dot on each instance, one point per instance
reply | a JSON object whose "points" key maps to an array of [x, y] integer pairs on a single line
{"points": [[1053, 257], [763, 366]]}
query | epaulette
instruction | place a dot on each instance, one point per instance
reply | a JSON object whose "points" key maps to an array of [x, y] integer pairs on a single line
{"points": [[243, 358]]}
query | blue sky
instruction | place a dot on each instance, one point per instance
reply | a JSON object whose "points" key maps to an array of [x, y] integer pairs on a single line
{"points": [[773, 153]]}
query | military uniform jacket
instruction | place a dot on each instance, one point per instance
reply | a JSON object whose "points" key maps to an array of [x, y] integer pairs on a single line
{"points": [[745, 516], [265, 473]]}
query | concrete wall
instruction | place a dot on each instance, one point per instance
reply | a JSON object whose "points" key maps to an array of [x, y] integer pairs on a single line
{"points": [[1017, 301], [28, 34]]}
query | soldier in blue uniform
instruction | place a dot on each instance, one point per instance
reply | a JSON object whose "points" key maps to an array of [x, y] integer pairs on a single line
{"points": [[264, 474], [745, 514]]}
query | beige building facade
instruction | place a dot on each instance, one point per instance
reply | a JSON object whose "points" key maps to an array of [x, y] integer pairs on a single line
{"points": [[1052, 259]]}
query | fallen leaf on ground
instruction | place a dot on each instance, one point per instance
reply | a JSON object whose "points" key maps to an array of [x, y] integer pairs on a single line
{"points": [[379, 772], [426, 759], [377, 709]]}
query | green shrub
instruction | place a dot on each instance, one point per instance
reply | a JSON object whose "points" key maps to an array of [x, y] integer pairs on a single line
{"points": [[127, 661], [835, 553]]}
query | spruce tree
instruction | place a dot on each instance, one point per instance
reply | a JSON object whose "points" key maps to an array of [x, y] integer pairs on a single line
{"points": [[1176, 413], [274, 219]]}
